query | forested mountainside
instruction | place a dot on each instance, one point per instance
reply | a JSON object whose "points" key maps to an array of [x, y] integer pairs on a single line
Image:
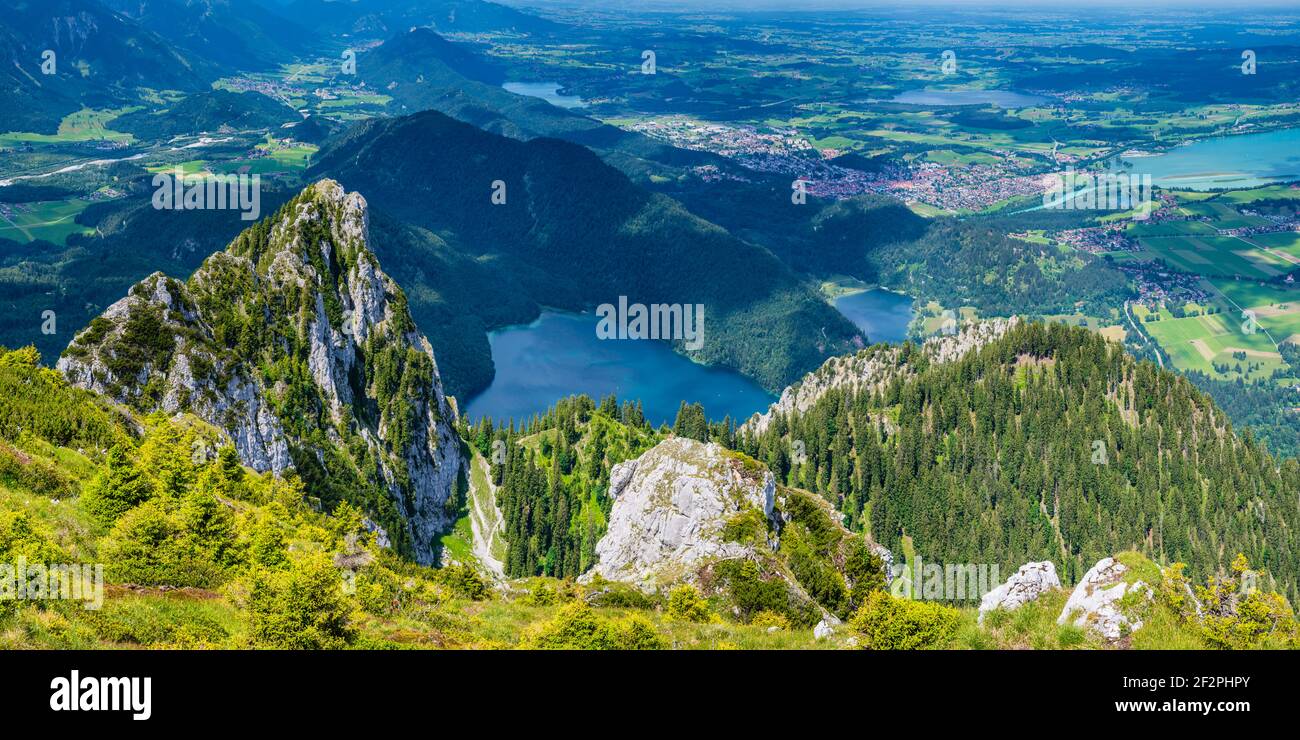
{"points": [[380, 17], [295, 343], [574, 233], [207, 111], [872, 238], [1007, 444], [98, 57], [245, 34], [1048, 443]]}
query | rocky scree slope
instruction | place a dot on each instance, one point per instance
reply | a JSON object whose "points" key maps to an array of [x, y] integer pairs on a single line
{"points": [[295, 343]]}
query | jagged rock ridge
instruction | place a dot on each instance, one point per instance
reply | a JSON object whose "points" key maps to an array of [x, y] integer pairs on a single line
{"points": [[297, 345], [874, 367]]}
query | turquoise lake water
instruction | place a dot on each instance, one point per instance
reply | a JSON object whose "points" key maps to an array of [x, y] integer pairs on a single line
{"points": [[548, 91], [1000, 98], [1243, 161], [559, 355]]}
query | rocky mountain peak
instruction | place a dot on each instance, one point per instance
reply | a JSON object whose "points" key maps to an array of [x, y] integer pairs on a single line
{"points": [[296, 343]]}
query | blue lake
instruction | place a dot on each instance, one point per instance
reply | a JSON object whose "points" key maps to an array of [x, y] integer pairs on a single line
{"points": [[1000, 98], [559, 355], [548, 91], [882, 314], [1244, 161]]}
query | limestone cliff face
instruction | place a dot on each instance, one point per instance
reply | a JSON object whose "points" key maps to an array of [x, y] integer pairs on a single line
{"points": [[297, 345], [873, 368], [670, 508]]}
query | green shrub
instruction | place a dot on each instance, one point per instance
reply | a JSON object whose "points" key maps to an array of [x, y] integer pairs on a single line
{"points": [[117, 488], [747, 527], [378, 590], [21, 470], [20, 537], [890, 623], [267, 546], [578, 627], [771, 619], [540, 593], [685, 604], [602, 593], [751, 593], [464, 582], [187, 543], [301, 608], [1235, 615]]}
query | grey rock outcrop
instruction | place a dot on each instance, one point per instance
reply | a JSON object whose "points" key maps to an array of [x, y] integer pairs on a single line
{"points": [[669, 510], [1024, 586], [1094, 604]]}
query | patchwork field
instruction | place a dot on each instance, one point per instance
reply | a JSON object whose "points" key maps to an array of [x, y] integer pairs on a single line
{"points": [[1169, 228], [51, 221], [1217, 256], [87, 124], [1281, 242], [1223, 215], [1203, 342]]}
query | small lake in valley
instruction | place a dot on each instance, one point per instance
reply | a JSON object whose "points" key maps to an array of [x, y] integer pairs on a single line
{"points": [[548, 91], [882, 314]]}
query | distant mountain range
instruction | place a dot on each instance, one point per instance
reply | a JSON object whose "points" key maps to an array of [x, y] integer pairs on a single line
{"points": [[382, 18], [234, 34], [100, 59]]}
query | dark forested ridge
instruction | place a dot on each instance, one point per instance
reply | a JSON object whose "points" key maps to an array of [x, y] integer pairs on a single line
{"points": [[208, 111], [573, 233], [1049, 443]]}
